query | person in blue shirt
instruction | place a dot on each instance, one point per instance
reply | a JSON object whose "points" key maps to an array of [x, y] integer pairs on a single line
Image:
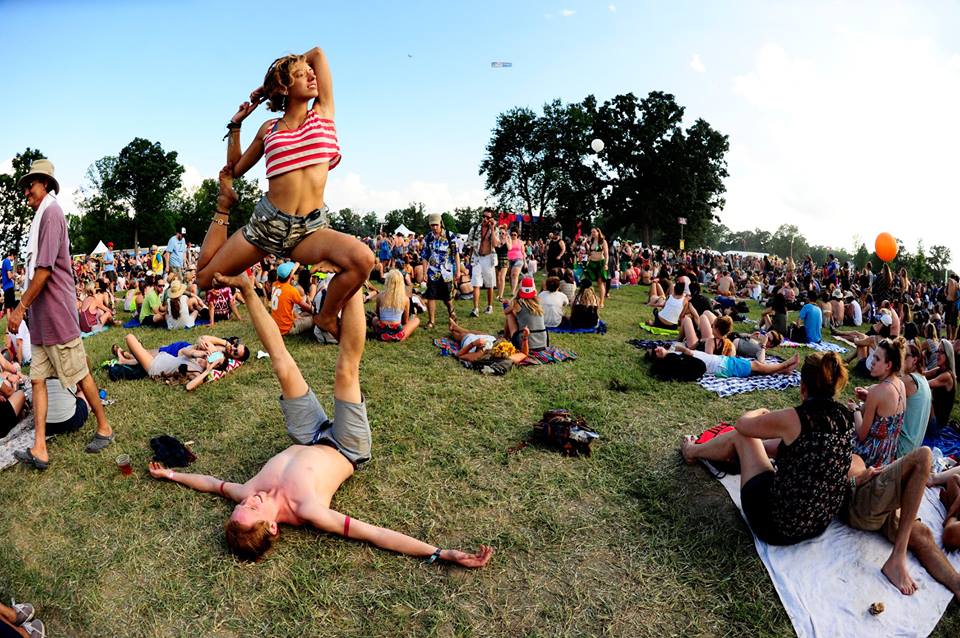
{"points": [[110, 265], [175, 252], [807, 330], [9, 287]]}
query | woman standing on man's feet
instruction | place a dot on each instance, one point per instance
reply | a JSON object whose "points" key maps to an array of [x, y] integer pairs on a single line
{"points": [[291, 220]]}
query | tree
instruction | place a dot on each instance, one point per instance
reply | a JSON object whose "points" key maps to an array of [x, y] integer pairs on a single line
{"points": [[144, 180], [861, 258], [939, 260], [466, 218], [515, 164], [413, 217], [15, 215], [101, 215], [195, 210], [654, 172], [346, 221]]}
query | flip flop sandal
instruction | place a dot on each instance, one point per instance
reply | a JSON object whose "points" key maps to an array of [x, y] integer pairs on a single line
{"points": [[29, 460]]}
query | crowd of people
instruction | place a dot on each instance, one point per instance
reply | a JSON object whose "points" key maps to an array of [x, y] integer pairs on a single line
{"points": [[862, 460]]}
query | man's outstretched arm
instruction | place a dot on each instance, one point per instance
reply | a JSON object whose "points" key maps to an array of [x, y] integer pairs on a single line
{"points": [[199, 482], [334, 522]]}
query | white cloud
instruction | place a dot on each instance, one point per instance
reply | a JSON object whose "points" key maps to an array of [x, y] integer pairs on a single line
{"points": [[566, 13], [191, 178], [612, 8], [349, 191], [955, 60], [6, 167], [856, 140], [697, 64]]}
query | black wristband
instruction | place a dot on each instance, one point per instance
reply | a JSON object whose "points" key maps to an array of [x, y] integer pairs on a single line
{"points": [[433, 557], [233, 125]]}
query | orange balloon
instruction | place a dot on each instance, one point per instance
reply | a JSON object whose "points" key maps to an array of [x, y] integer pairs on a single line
{"points": [[886, 247]]}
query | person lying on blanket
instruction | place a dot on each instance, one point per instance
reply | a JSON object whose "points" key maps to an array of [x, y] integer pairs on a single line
{"points": [[883, 497], [198, 363], [812, 446], [754, 346], [477, 345], [296, 486], [722, 366]]}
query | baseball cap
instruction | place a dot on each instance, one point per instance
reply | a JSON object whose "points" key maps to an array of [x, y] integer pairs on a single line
{"points": [[183, 231], [284, 269]]}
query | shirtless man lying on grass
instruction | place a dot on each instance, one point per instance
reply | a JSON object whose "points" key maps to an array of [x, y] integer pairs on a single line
{"points": [[296, 486]]}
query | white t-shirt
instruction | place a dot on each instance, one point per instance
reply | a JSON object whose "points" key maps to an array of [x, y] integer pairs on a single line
{"points": [[857, 313], [23, 333], [552, 304], [61, 401], [671, 310], [714, 362]]}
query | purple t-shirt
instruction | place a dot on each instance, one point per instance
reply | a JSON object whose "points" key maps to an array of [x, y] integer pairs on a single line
{"points": [[53, 314]]}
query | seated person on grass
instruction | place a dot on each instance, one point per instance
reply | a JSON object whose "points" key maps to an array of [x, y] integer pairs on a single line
{"points": [[12, 398], [477, 345], [880, 419], [584, 311], [296, 486], [883, 497], [18, 347], [774, 316], [151, 310], [524, 312], [807, 329], [392, 320], [284, 299], [723, 366], [222, 305], [553, 302], [673, 310], [811, 443], [94, 313]]}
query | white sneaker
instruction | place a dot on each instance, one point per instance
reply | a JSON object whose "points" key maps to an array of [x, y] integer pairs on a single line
{"points": [[488, 311], [474, 313]]}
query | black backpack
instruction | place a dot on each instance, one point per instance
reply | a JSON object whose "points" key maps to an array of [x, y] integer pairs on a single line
{"points": [[124, 372]]}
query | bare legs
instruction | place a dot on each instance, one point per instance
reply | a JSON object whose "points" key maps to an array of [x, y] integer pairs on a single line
{"points": [[915, 470], [758, 367], [92, 395], [754, 454]]}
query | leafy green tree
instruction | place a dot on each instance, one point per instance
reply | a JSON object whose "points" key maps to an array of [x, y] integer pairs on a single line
{"points": [[515, 166], [450, 223], [102, 217], [195, 209], [347, 221], [467, 217], [145, 179], [371, 224], [862, 257], [939, 260], [413, 217], [15, 215]]}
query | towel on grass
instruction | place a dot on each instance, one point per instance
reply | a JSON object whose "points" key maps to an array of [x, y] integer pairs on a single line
{"points": [[96, 330], [135, 323], [649, 344], [600, 328], [948, 440], [663, 332], [20, 438], [728, 386], [827, 584], [823, 346]]}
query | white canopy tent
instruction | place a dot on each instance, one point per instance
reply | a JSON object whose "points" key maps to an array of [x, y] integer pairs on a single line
{"points": [[100, 249], [403, 230]]}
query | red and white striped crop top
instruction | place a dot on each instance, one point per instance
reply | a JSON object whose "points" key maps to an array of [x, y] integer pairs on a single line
{"points": [[315, 142]]}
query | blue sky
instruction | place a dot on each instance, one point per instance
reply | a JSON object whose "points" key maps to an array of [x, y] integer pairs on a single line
{"points": [[842, 116]]}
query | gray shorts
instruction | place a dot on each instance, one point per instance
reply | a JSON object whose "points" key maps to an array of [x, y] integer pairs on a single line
{"points": [[276, 232], [348, 433]]}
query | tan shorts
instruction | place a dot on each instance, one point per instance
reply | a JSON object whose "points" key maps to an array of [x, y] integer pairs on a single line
{"points": [[873, 505], [65, 361]]}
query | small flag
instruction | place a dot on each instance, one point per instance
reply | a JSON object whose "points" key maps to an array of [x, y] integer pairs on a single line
{"points": [[501, 65]]}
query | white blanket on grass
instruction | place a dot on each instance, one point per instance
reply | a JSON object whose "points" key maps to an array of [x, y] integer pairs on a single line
{"points": [[18, 439], [828, 583]]}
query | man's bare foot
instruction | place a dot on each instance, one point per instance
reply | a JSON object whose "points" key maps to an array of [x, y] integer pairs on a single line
{"points": [[227, 197], [792, 363], [237, 281], [686, 449], [328, 324], [895, 569]]}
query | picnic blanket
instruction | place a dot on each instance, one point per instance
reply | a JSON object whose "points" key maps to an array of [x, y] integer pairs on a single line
{"points": [[18, 439], [135, 323], [649, 344], [823, 346], [663, 332], [449, 348], [600, 328], [728, 386], [827, 583], [948, 440]]}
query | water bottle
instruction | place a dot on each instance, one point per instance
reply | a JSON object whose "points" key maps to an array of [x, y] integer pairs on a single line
{"points": [[103, 395]]}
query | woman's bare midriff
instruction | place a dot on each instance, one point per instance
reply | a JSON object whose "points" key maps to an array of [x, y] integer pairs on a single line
{"points": [[299, 192]]}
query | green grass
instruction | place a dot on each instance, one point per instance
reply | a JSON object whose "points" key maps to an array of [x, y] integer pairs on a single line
{"points": [[629, 542]]}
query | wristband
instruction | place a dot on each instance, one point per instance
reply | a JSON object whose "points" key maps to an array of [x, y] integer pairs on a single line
{"points": [[233, 126], [433, 557]]}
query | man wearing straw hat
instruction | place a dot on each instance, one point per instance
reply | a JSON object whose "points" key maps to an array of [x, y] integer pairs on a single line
{"points": [[50, 296]]}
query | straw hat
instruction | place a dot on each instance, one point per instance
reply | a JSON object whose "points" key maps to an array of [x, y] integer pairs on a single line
{"points": [[177, 289], [40, 167]]}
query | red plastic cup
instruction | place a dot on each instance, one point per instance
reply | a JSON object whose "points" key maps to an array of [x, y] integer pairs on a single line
{"points": [[123, 462]]}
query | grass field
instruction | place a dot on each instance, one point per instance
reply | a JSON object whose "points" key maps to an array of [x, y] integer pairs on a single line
{"points": [[629, 542]]}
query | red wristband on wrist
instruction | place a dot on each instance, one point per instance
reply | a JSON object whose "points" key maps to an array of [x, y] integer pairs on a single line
{"points": [[346, 527], [222, 493]]}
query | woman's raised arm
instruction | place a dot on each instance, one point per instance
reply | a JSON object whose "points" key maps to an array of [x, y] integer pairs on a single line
{"points": [[317, 60]]}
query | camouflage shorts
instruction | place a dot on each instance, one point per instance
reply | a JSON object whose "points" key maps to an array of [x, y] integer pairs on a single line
{"points": [[276, 232]]}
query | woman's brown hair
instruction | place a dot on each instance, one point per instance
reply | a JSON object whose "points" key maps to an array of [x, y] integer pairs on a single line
{"points": [[824, 375], [278, 79]]}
